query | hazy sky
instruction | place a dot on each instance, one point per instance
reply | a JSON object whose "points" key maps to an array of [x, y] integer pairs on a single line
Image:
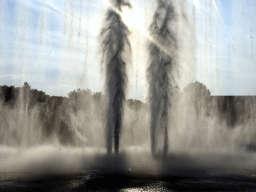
{"points": [[53, 45]]}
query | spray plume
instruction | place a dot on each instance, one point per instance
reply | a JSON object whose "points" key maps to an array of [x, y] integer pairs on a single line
{"points": [[114, 40], [159, 75]]}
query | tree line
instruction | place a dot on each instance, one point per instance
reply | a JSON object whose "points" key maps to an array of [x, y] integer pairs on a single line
{"points": [[81, 113], [53, 116]]}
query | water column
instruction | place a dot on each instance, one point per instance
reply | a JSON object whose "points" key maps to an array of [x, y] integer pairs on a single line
{"points": [[114, 36], [21, 55], [163, 60]]}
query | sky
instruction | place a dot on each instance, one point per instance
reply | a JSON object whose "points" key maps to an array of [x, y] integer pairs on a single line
{"points": [[234, 45], [54, 45]]}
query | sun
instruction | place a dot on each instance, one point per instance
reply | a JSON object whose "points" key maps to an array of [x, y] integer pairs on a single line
{"points": [[196, 3], [133, 19]]}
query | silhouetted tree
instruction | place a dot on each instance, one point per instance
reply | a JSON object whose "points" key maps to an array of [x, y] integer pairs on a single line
{"points": [[134, 104], [199, 95], [226, 109], [97, 97], [8, 95]]}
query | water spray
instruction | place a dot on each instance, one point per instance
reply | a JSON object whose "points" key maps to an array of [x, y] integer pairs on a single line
{"points": [[159, 75], [114, 41]]}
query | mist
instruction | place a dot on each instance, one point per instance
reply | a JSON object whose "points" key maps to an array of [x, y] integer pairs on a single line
{"points": [[180, 128]]}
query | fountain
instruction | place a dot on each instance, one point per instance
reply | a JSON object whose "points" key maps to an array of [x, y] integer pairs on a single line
{"points": [[115, 39], [193, 133], [162, 62]]}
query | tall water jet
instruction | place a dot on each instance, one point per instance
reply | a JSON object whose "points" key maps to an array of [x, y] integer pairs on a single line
{"points": [[159, 73], [114, 42]]}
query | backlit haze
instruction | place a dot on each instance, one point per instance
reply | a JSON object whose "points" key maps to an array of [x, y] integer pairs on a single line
{"points": [[53, 45]]}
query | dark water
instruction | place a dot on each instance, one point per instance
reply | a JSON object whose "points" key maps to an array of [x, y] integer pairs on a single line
{"points": [[141, 172], [107, 182]]}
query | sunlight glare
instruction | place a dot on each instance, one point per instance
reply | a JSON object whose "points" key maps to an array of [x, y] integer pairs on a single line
{"points": [[197, 4], [133, 19]]}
